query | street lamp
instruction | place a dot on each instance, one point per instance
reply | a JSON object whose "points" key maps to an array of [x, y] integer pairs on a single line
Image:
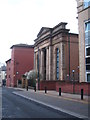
{"points": [[73, 71], [17, 72]]}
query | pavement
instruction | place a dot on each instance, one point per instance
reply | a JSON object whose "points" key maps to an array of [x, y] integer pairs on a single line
{"points": [[67, 103]]}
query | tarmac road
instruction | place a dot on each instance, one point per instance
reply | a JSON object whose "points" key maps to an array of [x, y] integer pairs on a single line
{"points": [[17, 107]]}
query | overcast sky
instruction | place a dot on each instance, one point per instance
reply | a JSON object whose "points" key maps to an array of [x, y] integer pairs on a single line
{"points": [[21, 20]]}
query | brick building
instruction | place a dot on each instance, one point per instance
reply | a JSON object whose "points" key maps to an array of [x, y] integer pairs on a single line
{"points": [[22, 60], [56, 54], [83, 8]]}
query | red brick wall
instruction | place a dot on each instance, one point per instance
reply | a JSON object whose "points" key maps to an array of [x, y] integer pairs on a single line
{"points": [[22, 60], [66, 87], [8, 79], [51, 85], [25, 59], [74, 54]]}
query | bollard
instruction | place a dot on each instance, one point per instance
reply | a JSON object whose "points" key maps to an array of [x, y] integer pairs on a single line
{"points": [[59, 91], [35, 88], [27, 88], [81, 94], [45, 89]]}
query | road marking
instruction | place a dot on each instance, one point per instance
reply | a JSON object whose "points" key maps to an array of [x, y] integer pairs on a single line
{"points": [[53, 107]]}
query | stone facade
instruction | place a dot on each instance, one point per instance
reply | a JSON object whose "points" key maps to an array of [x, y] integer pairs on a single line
{"points": [[45, 52], [83, 16]]}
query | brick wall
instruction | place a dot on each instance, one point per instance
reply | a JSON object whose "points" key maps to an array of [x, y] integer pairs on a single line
{"points": [[66, 87], [51, 85], [22, 60]]}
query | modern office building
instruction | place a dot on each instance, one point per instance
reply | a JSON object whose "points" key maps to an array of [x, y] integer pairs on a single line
{"points": [[83, 7], [22, 60]]}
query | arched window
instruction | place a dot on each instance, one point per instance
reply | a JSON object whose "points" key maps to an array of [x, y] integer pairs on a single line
{"points": [[57, 64]]}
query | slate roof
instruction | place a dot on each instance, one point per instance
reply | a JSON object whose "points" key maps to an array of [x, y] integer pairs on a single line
{"points": [[22, 45]]}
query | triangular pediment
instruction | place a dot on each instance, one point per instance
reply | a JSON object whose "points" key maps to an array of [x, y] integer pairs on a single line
{"points": [[43, 30]]}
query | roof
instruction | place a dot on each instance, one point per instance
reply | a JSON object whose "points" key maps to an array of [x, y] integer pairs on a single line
{"points": [[61, 23], [43, 30], [22, 45]]}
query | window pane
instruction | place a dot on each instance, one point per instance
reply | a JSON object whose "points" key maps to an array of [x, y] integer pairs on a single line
{"points": [[88, 51], [57, 76], [86, 3], [87, 26], [88, 67], [87, 60], [87, 34], [88, 77], [87, 41], [57, 65]]}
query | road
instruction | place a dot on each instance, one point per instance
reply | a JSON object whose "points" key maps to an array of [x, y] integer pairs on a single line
{"points": [[17, 107]]}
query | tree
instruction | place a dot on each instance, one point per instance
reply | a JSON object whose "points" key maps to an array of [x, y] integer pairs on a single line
{"points": [[31, 77]]}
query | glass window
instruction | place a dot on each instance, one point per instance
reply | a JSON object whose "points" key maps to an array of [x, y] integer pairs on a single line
{"points": [[86, 3], [88, 51], [88, 67], [57, 63], [88, 60], [87, 33], [87, 43], [87, 26], [88, 77]]}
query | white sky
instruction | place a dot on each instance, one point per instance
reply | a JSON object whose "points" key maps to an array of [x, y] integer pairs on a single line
{"points": [[21, 20]]}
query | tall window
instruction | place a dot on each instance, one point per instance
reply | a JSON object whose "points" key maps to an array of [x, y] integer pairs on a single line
{"points": [[57, 63], [87, 33], [87, 48], [86, 3]]}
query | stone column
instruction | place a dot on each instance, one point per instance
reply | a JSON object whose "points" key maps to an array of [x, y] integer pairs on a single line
{"points": [[47, 63], [39, 60], [34, 61], [36, 58], [42, 65], [50, 62]]}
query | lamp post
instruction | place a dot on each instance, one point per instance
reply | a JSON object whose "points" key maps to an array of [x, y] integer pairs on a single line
{"points": [[73, 71]]}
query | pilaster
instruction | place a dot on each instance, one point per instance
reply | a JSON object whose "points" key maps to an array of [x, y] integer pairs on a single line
{"points": [[42, 64], [50, 62], [47, 63]]}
